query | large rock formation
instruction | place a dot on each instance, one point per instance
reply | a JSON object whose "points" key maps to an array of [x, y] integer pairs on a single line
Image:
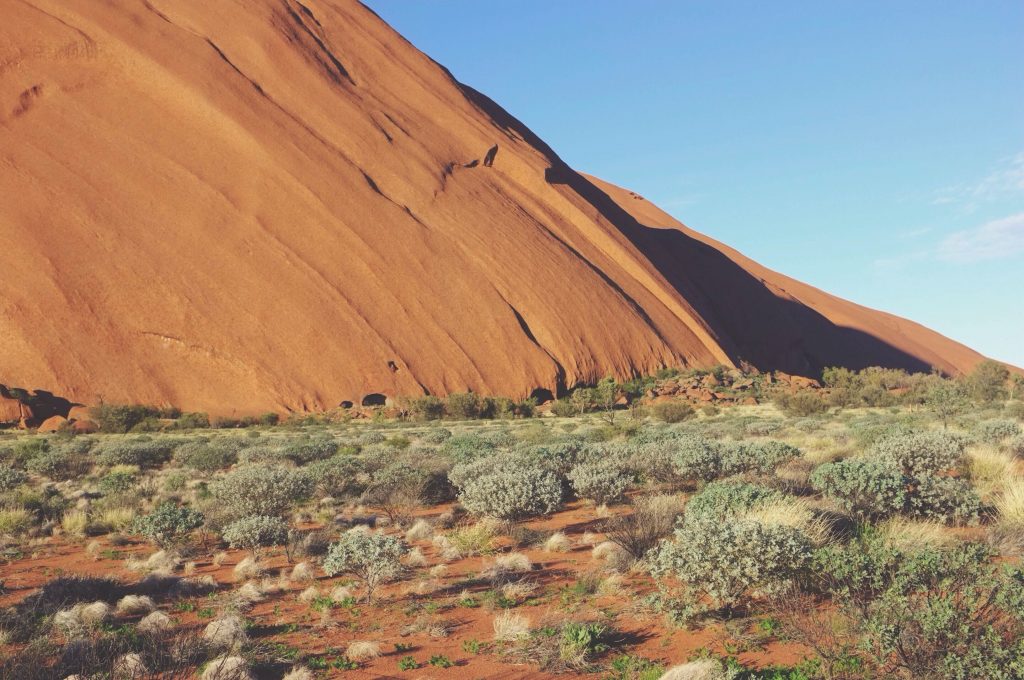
{"points": [[284, 205]]}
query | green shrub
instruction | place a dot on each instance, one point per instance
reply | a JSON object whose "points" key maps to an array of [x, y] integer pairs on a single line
{"points": [[920, 453], [120, 418], [995, 431], [341, 475], [673, 411], [755, 456], [302, 452], [427, 407], [464, 448], [371, 558], [261, 490], [867, 488], [436, 435], [117, 483], [254, 532], [143, 453], [207, 456], [602, 481], [192, 421], [723, 499], [169, 524], [727, 560], [511, 492], [57, 464], [801, 403], [987, 382], [11, 478], [463, 405], [934, 613], [697, 458], [563, 408], [944, 499]]}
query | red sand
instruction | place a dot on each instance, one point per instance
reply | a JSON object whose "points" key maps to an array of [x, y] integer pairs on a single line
{"points": [[267, 205]]}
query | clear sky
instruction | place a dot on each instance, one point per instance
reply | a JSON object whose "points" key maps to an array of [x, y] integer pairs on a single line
{"points": [[873, 149]]}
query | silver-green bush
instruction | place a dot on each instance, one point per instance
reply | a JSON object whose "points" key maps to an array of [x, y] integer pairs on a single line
{"points": [[372, 558], [261, 490]]}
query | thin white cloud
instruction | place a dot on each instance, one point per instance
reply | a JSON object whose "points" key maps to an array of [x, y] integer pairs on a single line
{"points": [[1005, 180], [992, 240]]}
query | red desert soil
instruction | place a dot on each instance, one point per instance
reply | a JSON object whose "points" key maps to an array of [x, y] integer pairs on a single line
{"points": [[284, 205], [399, 607]]}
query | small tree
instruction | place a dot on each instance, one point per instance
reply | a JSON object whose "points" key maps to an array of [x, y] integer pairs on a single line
{"points": [[371, 558], [606, 394], [987, 382], [946, 399]]}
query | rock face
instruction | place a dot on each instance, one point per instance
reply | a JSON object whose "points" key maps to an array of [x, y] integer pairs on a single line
{"points": [[238, 207]]}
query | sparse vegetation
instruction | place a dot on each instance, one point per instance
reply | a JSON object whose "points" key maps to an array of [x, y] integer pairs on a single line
{"points": [[877, 536]]}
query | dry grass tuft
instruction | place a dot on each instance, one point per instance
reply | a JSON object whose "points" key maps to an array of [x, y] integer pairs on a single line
{"points": [[558, 542], [362, 650], [508, 626]]}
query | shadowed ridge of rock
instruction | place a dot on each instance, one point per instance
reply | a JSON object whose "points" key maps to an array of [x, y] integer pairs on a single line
{"points": [[239, 207]]}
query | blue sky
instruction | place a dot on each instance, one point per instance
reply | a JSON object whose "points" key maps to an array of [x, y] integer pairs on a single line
{"points": [[873, 149]]}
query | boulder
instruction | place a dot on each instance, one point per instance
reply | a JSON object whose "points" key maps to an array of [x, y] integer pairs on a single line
{"points": [[85, 426], [52, 424]]}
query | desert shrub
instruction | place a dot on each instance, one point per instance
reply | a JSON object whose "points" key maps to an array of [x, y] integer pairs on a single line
{"points": [[723, 499], [192, 421], [427, 407], [46, 504], [371, 437], [143, 453], [339, 475], [117, 482], [756, 456], [511, 492], [436, 435], [602, 481], [261, 454], [921, 452], [652, 519], [463, 405], [945, 499], [868, 488], [261, 490], [987, 382], [672, 411], [801, 403], [397, 489], [938, 612], [995, 431], [57, 464], [697, 458], [726, 560], [1015, 409], [207, 456], [169, 524], [372, 558], [254, 532], [120, 418], [1016, 446], [464, 448], [762, 427], [11, 478], [302, 452], [563, 408], [24, 449]]}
